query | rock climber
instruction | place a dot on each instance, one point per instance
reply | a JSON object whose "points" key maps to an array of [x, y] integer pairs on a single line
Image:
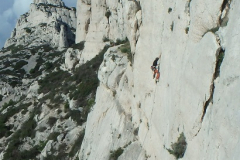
{"points": [[155, 69]]}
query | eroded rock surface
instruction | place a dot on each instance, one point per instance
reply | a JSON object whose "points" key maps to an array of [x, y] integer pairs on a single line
{"points": [[195, 95]]}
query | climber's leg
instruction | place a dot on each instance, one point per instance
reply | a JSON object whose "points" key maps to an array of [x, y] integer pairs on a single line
{"points": [[157, 77]]}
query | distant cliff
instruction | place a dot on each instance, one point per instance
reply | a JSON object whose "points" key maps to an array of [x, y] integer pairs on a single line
{"points": [[47, 22]]}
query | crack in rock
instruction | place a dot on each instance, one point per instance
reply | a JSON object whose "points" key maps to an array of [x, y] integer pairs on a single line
{"points": [[219, 59], [223, 18], [219, 55]]}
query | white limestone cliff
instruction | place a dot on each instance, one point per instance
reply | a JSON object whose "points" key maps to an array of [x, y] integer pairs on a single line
{"points": [[197, 95], [63, 43], [144, 118], [99, 20]]}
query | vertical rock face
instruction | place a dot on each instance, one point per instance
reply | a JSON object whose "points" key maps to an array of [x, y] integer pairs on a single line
{"points": [[42, 25], [63, 43], [199, 80], [99, 21]]}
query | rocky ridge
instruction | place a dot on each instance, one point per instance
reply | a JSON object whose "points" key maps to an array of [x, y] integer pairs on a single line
{"points": [[47, 22]]}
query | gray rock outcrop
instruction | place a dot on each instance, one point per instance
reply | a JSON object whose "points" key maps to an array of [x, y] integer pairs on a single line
{"points": [[52, 2], [43, 25]]}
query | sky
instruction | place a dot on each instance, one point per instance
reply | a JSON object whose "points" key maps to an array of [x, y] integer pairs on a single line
{"points": [[10, 11]]}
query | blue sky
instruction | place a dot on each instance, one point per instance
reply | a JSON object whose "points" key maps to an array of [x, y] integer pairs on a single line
{"points": [[10, 11]]}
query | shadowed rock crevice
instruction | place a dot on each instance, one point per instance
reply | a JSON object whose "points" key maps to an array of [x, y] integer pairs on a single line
{"points": [[220, 53], [223, 19], [210, 100], [219, 59], [224, 4]]}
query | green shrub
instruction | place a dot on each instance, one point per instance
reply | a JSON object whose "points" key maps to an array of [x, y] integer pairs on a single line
{"points": [[5, 105], [113, 57], [86, 78], [34, 50], [48, 65], [66, 106], [1, 97], [79, 46], [108, 14], [32, 71], [80, 86], [26, 130], [105, 39], [20, 64], [41, 145], [84, 89], [46, 48], [186, 30], [29, 154], [135, 132], [5, 130], [28, 30], [126, 48], [52, 121], [46, 6], [14, 49], [220, 58], [14, 109], [43, 24], [115, 154], [35, 71], [76, 116], [57, 100], [53, 136], [60, 154], [123, 41], [87, 108], [179, 147], [42, 129], [52, 81]]}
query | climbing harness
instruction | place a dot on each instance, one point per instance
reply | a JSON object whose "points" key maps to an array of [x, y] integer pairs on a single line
{"points": [[156, 73]]}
